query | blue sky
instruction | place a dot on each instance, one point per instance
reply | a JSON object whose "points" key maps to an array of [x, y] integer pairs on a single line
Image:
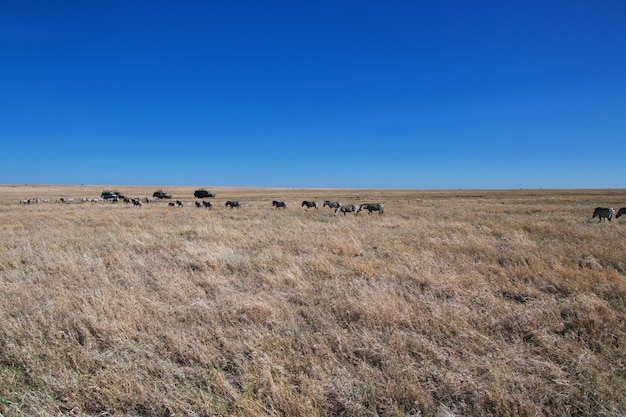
{"points": [[397, 94]]}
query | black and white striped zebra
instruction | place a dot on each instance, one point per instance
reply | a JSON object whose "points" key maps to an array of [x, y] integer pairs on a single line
{"points": [[233, 204], [347, 209], [379, 207], [310, 204], [279, 204], [207, 205], [332, 205], [603, 213], [620, 212]]}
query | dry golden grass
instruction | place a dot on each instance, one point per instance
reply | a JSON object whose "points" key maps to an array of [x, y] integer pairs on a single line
{"points": [[460, 303]]}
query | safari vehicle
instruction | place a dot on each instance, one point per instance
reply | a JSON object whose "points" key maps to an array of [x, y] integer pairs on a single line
{"points": [[108, 194], [161, 194], [203, 193]]}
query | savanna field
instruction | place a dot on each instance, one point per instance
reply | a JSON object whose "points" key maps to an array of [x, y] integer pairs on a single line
{"points": [[451, 303]]}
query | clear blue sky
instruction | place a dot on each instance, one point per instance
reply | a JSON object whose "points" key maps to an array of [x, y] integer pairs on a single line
{"points": [[375, 94]]}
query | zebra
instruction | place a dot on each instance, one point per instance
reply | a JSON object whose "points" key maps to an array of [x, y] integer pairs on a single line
{"points": [[603, 213], [332, 205], [233, 204], [171, 204], [620, 212], [309, 204], [136, 202], [198, 205], [379, 207], [279, 204], [347, 209], [179, 203], [207, 205]]}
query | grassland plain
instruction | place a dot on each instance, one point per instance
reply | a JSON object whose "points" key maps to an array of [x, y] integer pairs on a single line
{"points": [[453, 303]]}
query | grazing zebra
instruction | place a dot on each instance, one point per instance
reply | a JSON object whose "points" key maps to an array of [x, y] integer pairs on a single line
{"points": [[233, 204], [136, 202], [279, 204], [347, 209], [620, 212], [32, 201], [179, 203], [603, 213], [309, 204], [332, 205], [379, 207], [207, 205], [198, 205], [171, 204]]}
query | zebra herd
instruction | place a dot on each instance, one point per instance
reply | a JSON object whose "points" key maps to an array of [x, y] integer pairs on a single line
{"points": [[337, 206], [134, 201], [34, 200], [334, 205], [603, 213]]}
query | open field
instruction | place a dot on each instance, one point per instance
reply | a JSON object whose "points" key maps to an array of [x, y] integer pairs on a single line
{"points": [[452, 303]]}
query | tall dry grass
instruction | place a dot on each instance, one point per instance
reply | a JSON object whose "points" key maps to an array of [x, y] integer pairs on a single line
{"points": [[452, 303]]}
